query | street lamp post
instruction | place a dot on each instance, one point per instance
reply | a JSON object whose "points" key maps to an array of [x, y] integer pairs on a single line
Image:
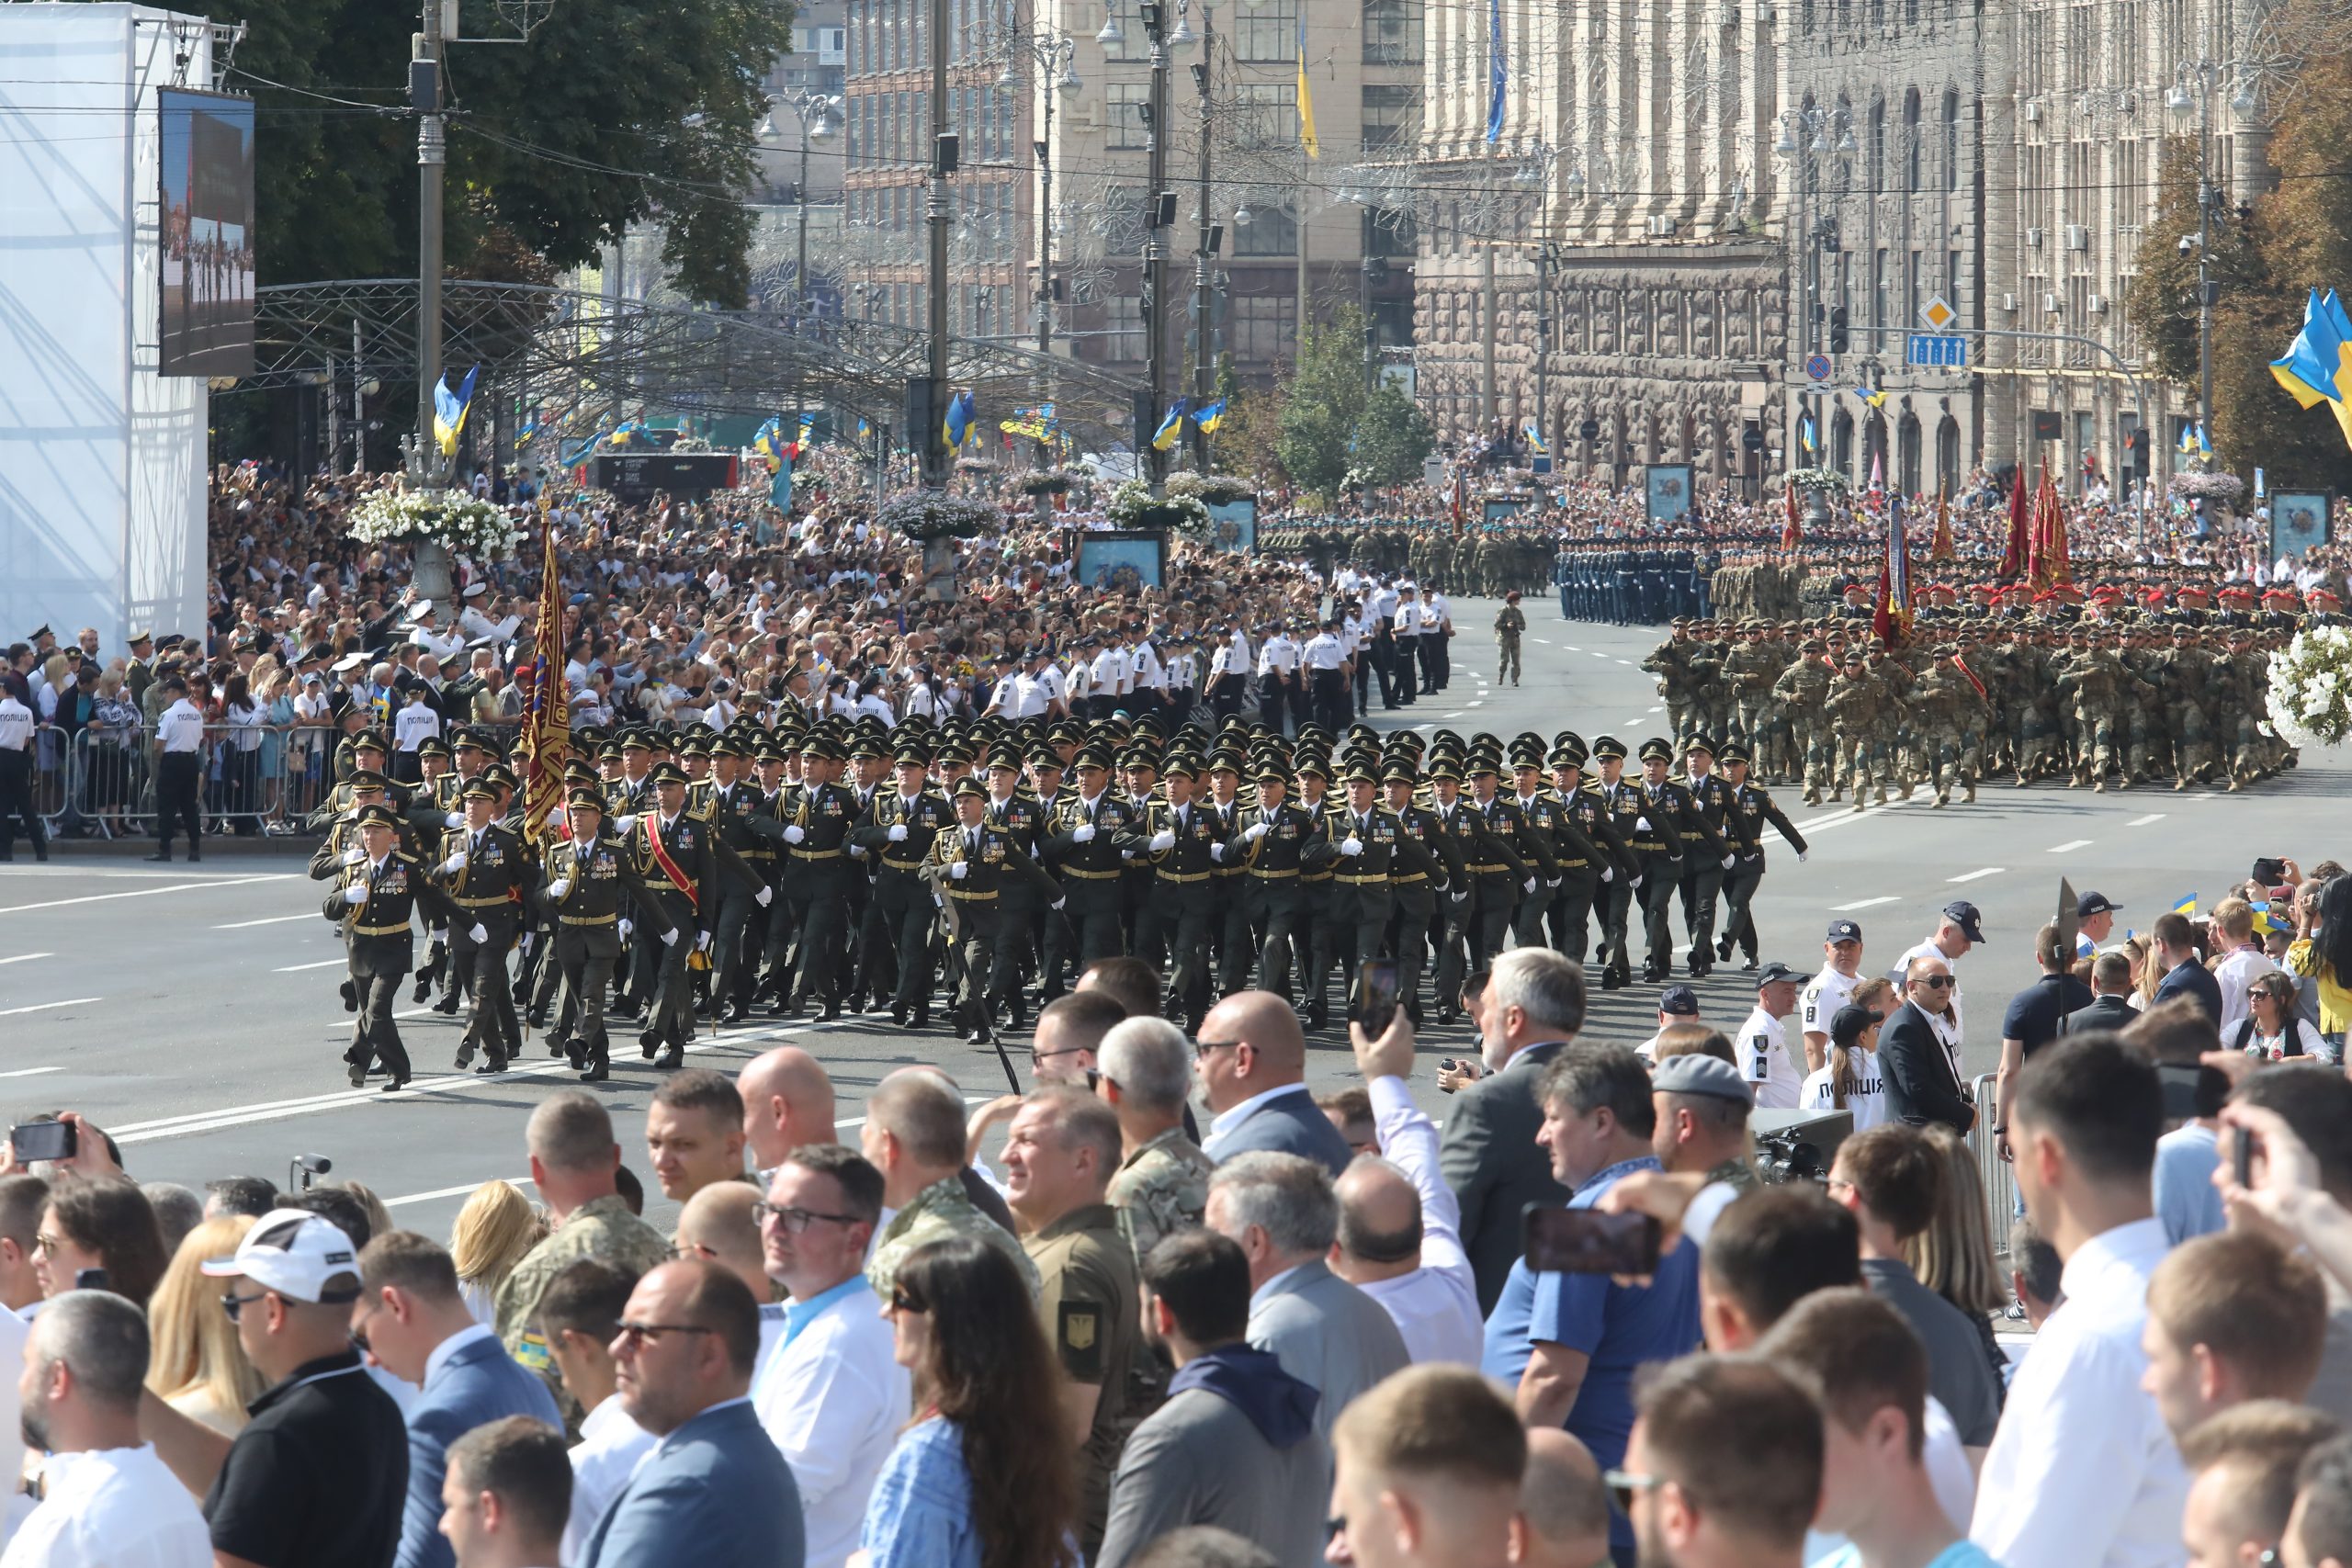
{"points": [[818, 115], [1054, 55], [1204, 242], [1155, 246], [936, 458]]}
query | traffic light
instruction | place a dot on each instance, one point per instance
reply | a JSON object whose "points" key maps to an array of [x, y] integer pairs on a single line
{"points": [[1837, 329]]}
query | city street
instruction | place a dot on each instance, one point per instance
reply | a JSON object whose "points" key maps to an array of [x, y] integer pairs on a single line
{"points": [[192, 1011]]}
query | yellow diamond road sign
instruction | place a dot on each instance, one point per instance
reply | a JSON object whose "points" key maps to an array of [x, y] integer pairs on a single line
{"points": [[1937, 314]]}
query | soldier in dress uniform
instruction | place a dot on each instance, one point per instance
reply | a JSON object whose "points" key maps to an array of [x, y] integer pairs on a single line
{"points": [[1663, 815], [1424, 903], [1706, 859], [1273, 834], [1014, 810], [484, 867], [1096, 829], [900, 824], [680, 859], [1365, 847], [967, 868], [1186, 845], [1583, 880], [1749, 810], [584, 880], [378, 885], [817, 870], [1488, 863]]}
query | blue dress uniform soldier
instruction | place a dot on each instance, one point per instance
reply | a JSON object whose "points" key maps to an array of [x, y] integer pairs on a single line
{"points": [[1751, 808], [967, 868], [1703, 868], [583, 882], [1366, 848], [1663, 815], [1424, 903], [484, 868], [1582, 884], [374, 896], [817, 870], [899, 826], [1094, 832], [1273, 832], [680, 859], [1186, 846]]}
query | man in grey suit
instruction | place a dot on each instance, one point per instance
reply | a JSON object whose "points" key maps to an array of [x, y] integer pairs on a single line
{"points": [[1235, 1445], [1284, 1212], [1532, 1008], [688, 1344], [1250, 1055]]}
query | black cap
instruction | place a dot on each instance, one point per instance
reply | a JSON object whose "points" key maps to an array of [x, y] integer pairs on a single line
{"points": [[1962, 913]]}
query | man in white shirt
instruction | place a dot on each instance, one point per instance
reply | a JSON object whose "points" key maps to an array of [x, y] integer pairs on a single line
{"points": [[2243, 964], [179, 741], [1960, 930], [1278, 686], [832, 1397], [1762, 1045], [107, 1500], [1829, 990], [1324, 658], [1406, 679], [1107, 681], [1400, 1240], [579, 1317], [2082, 1472]]}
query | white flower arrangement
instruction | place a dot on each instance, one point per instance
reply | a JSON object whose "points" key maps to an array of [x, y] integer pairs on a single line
{"points": [[2311, 687], [450, 518], [1132, 506]]}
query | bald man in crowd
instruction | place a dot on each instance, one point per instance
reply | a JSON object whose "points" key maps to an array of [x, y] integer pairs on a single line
{"points": [[788, 1101], [1252, 1061], [721, 1224], [1564, 1503]]}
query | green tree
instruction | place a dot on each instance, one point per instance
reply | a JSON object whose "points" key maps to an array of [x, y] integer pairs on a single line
{"points": [[1393, 437], [1323, 402], [610, 115]]}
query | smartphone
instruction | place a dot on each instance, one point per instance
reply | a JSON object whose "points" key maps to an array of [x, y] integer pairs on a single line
{"points": [[2245, 1143], [1378, 987], [1585, 1241], [41, 1141]]}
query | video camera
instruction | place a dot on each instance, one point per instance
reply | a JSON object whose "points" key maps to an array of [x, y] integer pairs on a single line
{"points": [[1797, 1145]]}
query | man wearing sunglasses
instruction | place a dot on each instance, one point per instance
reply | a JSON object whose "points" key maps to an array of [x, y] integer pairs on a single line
{"points": [[1923, 1074], [318, 1475]]}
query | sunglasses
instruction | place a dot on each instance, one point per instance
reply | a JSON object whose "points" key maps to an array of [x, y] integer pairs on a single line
{"points": [[234, 1306], [1625, 1485], [1939, 982], [901, 1302], [1203, 1047], [793, 1220], [648, 1333]]}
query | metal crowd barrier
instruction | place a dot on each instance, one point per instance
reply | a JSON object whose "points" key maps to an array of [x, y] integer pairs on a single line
{"points": [[1998, 1177]]}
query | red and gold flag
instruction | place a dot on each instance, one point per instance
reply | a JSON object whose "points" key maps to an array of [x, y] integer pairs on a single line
{"points": [[545, 742]]}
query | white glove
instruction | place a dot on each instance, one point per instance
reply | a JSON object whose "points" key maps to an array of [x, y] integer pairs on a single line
{"points": [[1163, 839], [1641, 824], [702, 942], [1729, 860], [1352, 845], [480, 934], [1608, 874], [1802, 854], [457, 820], [1216, 854], [1529, 886], [1082, 834], [1552, 884], [524, 945], [857, 851], [626, 927], [559, 887], [356, 895], [955, 872], [1462, 897], [763, 897], [670, 937], [1059, 902], [454, 865], [1636, 885], [1257, 831], [353, 855], [622, 824], [898, 833], [794, 834]]}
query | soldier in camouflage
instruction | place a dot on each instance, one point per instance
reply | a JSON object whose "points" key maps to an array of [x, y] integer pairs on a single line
{"points": [[914, 1135]]}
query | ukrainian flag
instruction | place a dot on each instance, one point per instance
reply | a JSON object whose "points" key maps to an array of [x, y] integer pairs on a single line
{"points": [[1534, 437], [2318, 365], [2185, 906], [1171, 429], [1876, 399], [628, 430], [769, 442], [530, 428], [1805, 433], [449, 410], [2192, 437], [1305, 97], [961, 411], [1210, 416]]}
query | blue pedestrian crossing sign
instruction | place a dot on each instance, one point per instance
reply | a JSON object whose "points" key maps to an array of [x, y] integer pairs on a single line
{"points": [[1817, 367], [1946, 350]]}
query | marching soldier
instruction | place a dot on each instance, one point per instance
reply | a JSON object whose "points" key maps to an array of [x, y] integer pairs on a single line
{"points": [[1186, 845], [376, 887], [1095, 833], [1527, 863], [1510, 623], [1273, 836], [679, 859], [738, 812], [583, 880], [1665, 822], [1424, 904], [484, 867], [817, 870], [1491, 873], [966, 867], [897, 830], [1750, 808], [1702, 867], [1583, 877], [1365, 847]]}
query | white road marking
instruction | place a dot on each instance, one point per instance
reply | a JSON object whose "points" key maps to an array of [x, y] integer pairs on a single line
{"points": [[1454, 715], [135, 893], [1863, 904], [1658, 710], [45, 1007], [271, 921], [30, 1072], [321, 963], [1572, 647], [2209, 794], [1625, 661], [522, 1181], [1477, 702], [24, 957], [1980, 872], [1544, 640], [2144, 821], [2069, 846], [1598, 654]]}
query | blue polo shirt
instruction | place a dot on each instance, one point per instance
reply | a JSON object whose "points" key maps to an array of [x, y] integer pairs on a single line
{"points": [[1619, 1327]]}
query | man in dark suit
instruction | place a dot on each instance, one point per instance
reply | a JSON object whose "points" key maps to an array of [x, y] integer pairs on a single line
{"points": [[2176, 955], [686, 1350], [1532, 1008], [1250, 1055], [1923, 1081], [2111, 990]]}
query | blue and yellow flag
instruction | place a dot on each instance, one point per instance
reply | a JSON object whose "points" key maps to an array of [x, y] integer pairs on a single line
{"points": [[530, 428], [2192, 435], [961, 412], [1876, 399], [1497, 72], [1209, 417], [2318, 365], [1171, 429], [1305, 97], [1805, 434], [1534, 437], [769, 442], [628, 430], [2186, 905], [449, 410]]}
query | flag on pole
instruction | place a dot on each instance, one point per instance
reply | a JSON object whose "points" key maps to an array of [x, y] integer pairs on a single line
{"points": [[2014, 553], [1941, 547], [1791, 535], [2053, 568], [546, 740], [1891, 619], [1876, 399], [1534, 437], [1805, 435], [768, 441], [530, 428], [2318, 365], [1206, 420], [961, 411], [1171, 428], [1497, 72], [1305, 96], [449, 410]]}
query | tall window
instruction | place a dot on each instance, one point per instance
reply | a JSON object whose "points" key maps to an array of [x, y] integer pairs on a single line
{"points": [[1126, 105], [1125, 327], [1878, 144], [1877, 287], [1266, 34], [1388, 116], [1265, 114], [1270, 231], [1911, 150], [1952, 139], [1392, 32], [1262, 329]]}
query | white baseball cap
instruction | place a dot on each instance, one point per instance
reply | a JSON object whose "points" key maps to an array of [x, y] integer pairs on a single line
{"points": [[294, 1253]]}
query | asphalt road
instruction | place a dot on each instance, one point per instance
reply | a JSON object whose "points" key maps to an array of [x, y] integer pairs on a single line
{"points": [[192, 1011]]}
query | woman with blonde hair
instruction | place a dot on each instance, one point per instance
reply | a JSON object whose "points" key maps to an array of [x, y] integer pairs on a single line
{"points": [[1953, 1257], [196, 1366], [493, 1230]]}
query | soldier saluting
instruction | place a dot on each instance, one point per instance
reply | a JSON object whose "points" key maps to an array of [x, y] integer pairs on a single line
{"points": [[377, 886]]}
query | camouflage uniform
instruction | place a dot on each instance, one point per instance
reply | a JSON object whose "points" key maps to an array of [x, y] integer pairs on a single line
{"points": [[1749, 669], [1669, 662], [1510, 621], [601, 1229], [939, 1210], [1856, 705], [1160, 1189], [1803, 692]]}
